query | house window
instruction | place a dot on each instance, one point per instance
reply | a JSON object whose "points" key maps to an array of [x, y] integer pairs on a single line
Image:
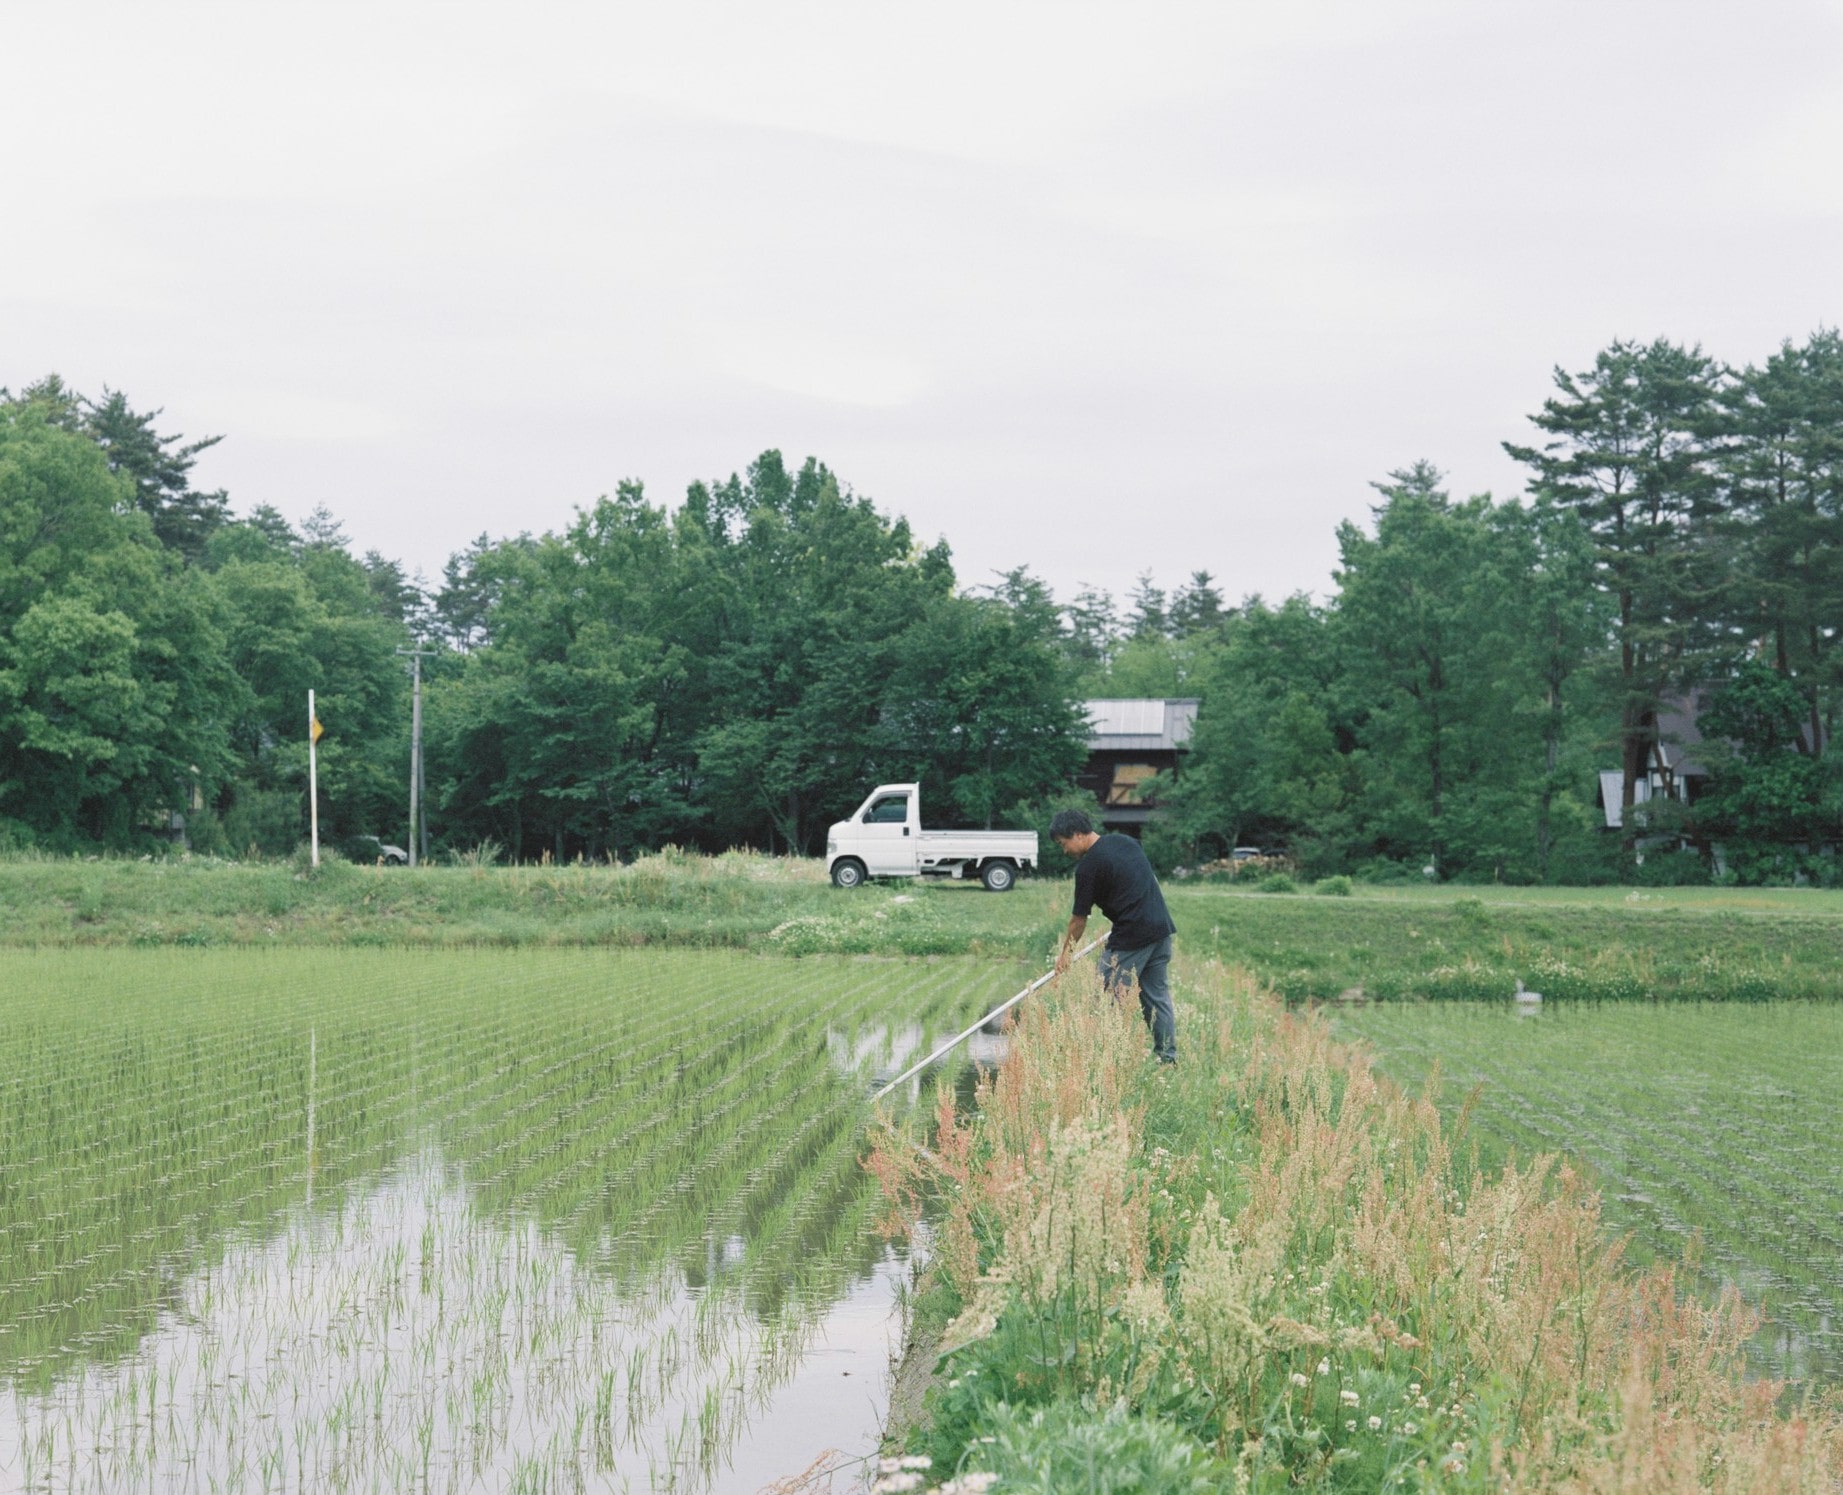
{"points": [[1130, 781]]}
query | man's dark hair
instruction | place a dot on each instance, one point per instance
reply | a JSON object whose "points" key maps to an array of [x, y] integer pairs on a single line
{"points": [[1069, 823]]}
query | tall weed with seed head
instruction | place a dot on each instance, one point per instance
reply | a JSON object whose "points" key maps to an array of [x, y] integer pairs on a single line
{"points": [[1290, 1260]]}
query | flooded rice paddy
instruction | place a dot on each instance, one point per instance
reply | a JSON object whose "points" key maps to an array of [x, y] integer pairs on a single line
{"points": [[1700, 1121], [369, 1220]]}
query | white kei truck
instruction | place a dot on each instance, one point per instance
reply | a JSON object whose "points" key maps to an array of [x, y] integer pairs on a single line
{"points": [[884, 838]]}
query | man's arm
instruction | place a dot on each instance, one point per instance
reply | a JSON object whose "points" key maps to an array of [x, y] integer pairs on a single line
{"points": [[1070, 941]]}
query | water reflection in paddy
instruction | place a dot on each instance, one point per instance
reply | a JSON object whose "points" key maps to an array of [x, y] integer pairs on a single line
{"points": [[532, 1243]]}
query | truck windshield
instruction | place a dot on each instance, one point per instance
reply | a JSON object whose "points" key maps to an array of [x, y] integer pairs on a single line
{"points": [[892, 809]]}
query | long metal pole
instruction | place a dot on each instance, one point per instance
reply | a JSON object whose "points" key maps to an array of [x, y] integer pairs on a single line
{"points": [[1002, 1007], [313, 781], [415, 756]]}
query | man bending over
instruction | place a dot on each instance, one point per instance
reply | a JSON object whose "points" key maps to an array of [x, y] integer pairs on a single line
{"points": [[1112, 871]]}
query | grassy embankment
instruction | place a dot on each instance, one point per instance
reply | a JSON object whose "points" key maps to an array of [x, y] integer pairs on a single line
{"points": [[673, 899], [1271, 1270], [1609, 944], [1471, 944]]}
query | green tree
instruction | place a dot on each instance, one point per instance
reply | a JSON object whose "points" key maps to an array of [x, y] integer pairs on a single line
{"points": [[817, 590], [1430, 637], [160, 468], [1269, 756], [981, 706], [1197, 607], [114, 681], [1631, 453], [1766, 794], [1090, 631], [1782, 467]]}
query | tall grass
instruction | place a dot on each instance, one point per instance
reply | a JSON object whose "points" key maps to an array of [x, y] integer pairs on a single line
{"points": [[1706, 1118], [1286, 1272]]}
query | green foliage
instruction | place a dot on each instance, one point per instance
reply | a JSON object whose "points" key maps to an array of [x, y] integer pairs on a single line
{"points": [[738, 670], [1036, 814], [1766, 791], [1333, 887], [1074, 1447]]}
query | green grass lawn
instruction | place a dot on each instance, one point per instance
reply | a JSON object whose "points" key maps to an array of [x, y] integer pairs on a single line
{"points": [[1476, 943], [733, 901]]}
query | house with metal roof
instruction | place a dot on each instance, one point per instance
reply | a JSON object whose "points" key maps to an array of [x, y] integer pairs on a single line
{"points": [[1131, 741]]}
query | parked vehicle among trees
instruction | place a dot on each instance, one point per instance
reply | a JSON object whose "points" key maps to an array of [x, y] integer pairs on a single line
{"points": [[884, 838]]}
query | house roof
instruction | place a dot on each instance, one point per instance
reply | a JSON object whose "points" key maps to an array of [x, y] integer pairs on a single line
{"points": [[1678, 736], [1140, 724]]}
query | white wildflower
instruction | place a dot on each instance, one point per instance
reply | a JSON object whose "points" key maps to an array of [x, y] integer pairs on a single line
{"points": [[1348, 1397], [1324, 1367], [1375, 1424], [1301, 1380]]}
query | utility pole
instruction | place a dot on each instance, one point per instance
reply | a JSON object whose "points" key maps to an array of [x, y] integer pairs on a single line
{"points": [[419, 825]]}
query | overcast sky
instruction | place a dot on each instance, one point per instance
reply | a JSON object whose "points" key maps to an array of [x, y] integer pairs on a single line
{"points": [[1093, 288]]}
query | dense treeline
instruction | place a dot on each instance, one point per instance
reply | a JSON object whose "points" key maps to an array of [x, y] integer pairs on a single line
{"points": [[738, 668], [739, 671], [734, 672], [1681, 545]]}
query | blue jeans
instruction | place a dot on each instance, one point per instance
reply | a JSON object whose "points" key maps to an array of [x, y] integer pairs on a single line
{"points": [[1147, 964]]}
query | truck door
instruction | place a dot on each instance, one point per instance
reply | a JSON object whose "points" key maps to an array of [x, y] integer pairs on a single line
{"points": [[888, 837]]}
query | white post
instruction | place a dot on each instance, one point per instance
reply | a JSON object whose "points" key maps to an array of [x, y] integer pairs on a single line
{"points": [[313, 781], [416, 757]]}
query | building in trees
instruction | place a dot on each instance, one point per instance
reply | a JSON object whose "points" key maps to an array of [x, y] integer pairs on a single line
{"points": [[1674, 770], [1131, 742]]}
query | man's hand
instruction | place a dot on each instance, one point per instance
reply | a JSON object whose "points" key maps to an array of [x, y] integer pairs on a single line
{"points": [[1071, 942]]}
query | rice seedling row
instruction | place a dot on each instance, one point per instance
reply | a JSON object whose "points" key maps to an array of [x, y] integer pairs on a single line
{"points": [[1700, 1122], [372, 1219]]}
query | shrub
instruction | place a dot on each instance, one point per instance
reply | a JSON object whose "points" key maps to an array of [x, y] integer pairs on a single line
{"points": [[1279, 882], [264, 822], [1074, 1448], [1386, 873], [1333, 887]]}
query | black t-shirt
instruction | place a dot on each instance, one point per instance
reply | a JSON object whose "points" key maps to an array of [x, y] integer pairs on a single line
{"points": [[1115, 874]]}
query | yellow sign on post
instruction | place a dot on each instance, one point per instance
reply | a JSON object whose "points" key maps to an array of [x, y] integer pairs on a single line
{"points": [[316, 731]]}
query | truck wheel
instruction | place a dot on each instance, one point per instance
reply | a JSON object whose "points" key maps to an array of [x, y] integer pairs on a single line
{"points": [[848, 872], [998, 877]]}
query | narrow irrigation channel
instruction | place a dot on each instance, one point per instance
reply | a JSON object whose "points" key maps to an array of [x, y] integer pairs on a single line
{"points": [[446, 1220]]}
